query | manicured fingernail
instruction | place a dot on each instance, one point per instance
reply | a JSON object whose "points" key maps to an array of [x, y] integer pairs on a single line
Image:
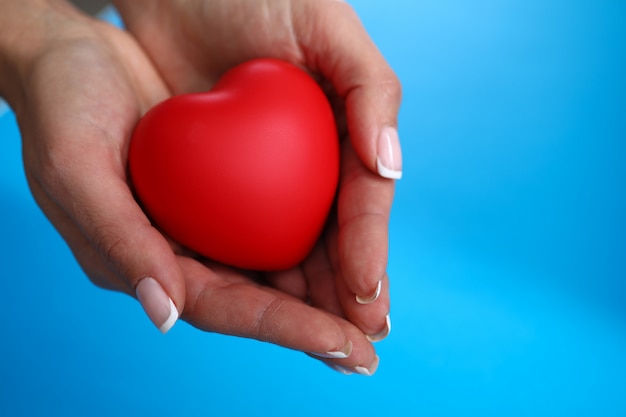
{"points": [[369, 299], [369, 371], [389, 161], [158, 306], [383, 333], [339, 368], [336, 354]]}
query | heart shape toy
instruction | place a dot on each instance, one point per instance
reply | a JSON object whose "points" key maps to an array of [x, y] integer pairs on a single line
{"points": [[244, 174]]}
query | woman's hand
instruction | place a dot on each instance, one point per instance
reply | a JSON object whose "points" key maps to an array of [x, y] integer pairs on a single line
{"points": [[78, 87], [193, 43]]}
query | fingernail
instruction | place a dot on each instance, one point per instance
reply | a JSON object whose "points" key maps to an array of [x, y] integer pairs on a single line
{"points": [[339, 368], [369, 371], [383, 333], [389, 161], [369, 299], [158, 306], [336, 354]]}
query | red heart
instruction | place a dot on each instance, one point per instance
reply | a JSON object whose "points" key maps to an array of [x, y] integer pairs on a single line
{"points": [[244, 174]]}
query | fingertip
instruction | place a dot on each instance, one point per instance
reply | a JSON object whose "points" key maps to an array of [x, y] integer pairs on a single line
{"points": [[373, 318], [369, 370], [348, 57], [382, 334], [371, 297], [342, 353], [389, 158], [158, 306], [372, 117], [171, 319]]}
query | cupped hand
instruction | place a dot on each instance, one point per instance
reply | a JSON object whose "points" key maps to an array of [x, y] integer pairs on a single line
{"points": [[193, 43], [78, 87]]}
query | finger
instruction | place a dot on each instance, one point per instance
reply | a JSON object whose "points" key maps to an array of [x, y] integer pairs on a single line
{"points": [[89, 260], [348, 58], [372, 319], [76, 151], [364, 204], [238, 309], [344, 53], [291, 281], [102, 207], [320, 271], [362, 360]]}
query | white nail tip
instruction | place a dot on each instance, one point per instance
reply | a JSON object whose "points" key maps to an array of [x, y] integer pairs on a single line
{"points": [[385, 172], [362, 371], [370, 298], [340, 369], [331, 355], [383, 333], [336, 354], [171, 320], [368, 371]]}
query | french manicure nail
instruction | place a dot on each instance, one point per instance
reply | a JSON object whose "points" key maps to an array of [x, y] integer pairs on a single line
{"points": [[369, 299], [339, 368], [383, 333], [389, 161], [369, 371], [336, 354], [158, 306]]}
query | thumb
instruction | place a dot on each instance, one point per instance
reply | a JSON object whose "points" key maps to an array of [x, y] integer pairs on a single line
{"points": [[134, 249], [349, 59], [134, 255]]}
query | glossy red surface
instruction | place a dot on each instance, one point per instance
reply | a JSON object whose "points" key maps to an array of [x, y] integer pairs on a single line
{"points": [[244, 174]]}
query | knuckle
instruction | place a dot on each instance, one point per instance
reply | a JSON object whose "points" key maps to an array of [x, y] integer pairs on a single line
{"points": [[265, 325], [391, 86], [96, 270], [111, 248]]}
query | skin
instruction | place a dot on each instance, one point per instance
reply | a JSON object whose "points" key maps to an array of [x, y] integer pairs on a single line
{"points": [[78, 87]]}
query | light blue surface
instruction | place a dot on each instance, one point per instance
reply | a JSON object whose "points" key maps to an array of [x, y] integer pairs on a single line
{"points": [[508, 247]]}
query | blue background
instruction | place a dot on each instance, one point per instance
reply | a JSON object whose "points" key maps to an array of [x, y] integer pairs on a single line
{"points": [[508, 247]]}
